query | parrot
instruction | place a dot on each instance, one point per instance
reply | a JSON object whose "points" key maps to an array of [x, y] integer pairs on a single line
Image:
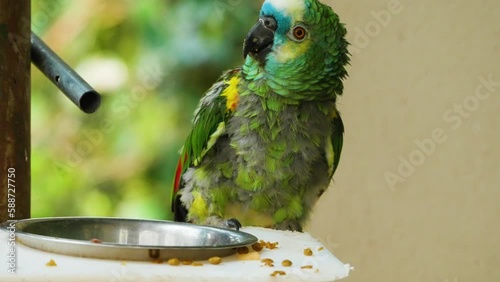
{"points": [[266, 138]]}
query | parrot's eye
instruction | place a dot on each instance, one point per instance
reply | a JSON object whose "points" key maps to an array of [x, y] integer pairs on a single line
{"points": [[299, 33]]}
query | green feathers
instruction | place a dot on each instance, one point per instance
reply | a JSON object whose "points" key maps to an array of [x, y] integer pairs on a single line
{"points": [[307, 69], [209, 123]]}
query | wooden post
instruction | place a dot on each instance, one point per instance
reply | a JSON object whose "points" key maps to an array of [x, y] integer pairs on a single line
{"points": [[15, 143]]}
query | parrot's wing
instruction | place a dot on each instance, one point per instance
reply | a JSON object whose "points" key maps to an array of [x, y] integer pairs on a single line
{"points": [[337, 140], [215, 107]]}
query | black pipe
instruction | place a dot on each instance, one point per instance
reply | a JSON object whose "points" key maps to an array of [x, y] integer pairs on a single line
{"points": [[63, 76]]}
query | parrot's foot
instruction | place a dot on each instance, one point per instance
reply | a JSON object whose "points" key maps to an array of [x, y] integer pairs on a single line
{"points": [[290, 225], [233, 223], [219, 222]]}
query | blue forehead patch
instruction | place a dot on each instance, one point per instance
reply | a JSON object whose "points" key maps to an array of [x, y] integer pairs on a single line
{"points": [[284, 21]]}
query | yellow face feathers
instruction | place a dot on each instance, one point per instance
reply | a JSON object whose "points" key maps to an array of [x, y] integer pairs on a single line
{"points": [[291, 50]]}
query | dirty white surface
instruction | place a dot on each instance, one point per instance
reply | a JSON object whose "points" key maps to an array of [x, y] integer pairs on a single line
{"points": [[31, 264]]}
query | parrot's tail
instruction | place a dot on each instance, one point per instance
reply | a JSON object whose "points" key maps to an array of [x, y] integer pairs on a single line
{"points": [[180, 211]]}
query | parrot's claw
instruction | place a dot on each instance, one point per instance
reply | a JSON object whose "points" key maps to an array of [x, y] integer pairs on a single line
{"points": [[233, 223]]}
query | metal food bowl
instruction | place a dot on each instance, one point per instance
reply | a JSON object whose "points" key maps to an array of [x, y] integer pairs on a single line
{"points": [[128, 239]]}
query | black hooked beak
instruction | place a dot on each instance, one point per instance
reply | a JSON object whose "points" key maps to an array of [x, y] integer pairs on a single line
{"points": [[259, 41]]}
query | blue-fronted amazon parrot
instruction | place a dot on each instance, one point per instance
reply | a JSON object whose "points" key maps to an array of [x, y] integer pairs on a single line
{"points": [[267, 136]]}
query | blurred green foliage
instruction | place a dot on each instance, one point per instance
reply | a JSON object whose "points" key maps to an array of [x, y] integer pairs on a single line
{"points": [[151, 60]]}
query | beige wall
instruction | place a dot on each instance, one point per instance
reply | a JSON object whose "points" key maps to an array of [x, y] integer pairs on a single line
{"points": [[413, 80]]}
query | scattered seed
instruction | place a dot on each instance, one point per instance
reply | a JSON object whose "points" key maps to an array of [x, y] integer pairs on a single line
{"points": [[269, 245], [320, 248], [173, 261], [257, 247], [286, 262], [272, 245], [307, 267], [278, 272], [243, 250], [214, 260], [197, 264], [187, 262], [51, 263], [308, 252], [267, 262]]}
